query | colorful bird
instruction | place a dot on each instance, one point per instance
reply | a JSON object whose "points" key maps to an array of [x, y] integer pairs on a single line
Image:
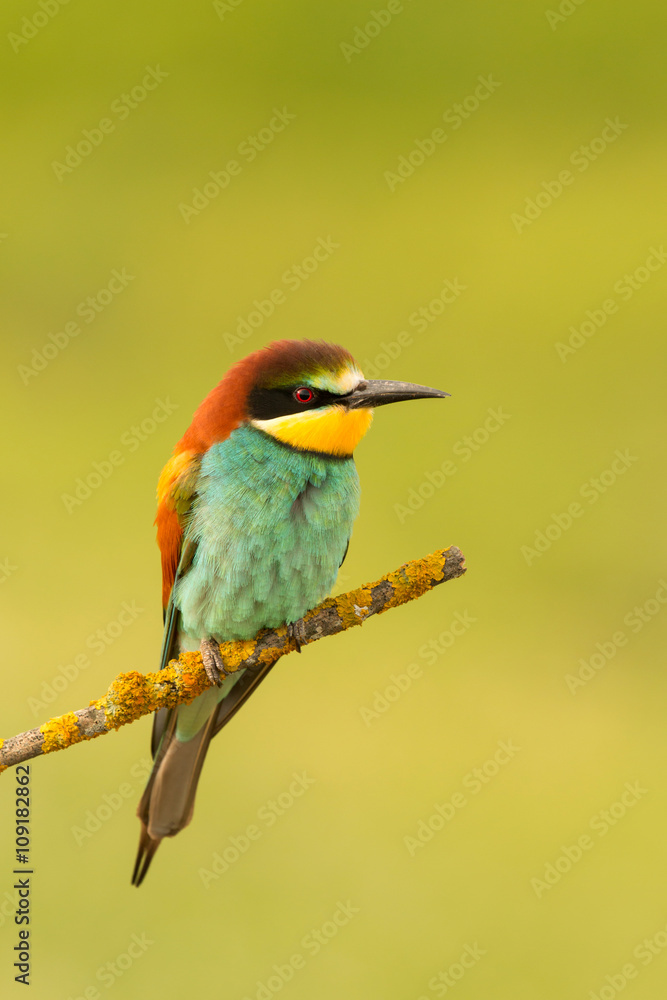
{"points": [[255, 512]]}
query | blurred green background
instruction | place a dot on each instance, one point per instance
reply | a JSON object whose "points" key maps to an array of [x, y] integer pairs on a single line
{"points": [[360, 99]]}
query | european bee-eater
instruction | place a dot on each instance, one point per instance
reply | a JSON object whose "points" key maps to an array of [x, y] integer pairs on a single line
{"points": [[255, 512]]}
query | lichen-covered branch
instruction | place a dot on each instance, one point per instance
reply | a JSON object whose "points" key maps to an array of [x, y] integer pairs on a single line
{"points": [[132, 694]]}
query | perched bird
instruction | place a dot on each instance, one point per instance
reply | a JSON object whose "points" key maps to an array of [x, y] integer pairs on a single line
{"points": [[255, 512]]}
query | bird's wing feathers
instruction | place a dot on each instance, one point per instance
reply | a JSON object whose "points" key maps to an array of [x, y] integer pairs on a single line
{"points": [[176, 492], [176, 765], [169, 639]]}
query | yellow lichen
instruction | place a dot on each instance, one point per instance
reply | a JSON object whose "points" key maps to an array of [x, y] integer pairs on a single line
{"points": [[234, 653], [415, 578], [60, 732], [125, 699], [132, 695], [353, 607], [267, 656]]}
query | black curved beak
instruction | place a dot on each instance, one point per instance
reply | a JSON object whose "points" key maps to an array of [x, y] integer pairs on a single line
{"points": [[378, 392]]}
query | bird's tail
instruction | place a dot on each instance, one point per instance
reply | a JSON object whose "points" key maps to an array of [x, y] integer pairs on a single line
{"points": [[168, 800], [181, 737]]}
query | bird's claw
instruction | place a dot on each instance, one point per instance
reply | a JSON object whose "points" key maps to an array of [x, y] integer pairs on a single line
{"points": [[297, 631], [212, 660]]}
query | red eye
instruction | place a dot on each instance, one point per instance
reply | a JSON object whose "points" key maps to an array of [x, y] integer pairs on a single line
{"points": [[304, 395]]}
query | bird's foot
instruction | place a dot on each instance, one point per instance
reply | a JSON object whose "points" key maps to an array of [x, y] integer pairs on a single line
{"points": [[297, 631], [213, 665]]}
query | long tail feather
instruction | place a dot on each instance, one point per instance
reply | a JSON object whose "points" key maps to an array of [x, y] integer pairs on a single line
{"points": [[147, 848], [167, 804]]}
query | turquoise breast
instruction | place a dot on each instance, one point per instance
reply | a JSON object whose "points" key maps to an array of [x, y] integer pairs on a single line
{"points": [[271, 526]]}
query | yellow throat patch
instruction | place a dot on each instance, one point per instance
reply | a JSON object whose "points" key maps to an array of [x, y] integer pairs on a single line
{"points": [[331, 430]]}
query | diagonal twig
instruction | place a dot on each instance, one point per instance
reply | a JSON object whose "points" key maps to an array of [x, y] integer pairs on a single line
{"points": [[132, 694]]}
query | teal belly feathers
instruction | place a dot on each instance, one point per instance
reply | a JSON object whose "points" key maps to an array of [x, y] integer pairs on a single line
{"points": [[271, 526]]}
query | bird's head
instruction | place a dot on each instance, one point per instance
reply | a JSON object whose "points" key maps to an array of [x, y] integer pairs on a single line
{"points": [[307, 394]]}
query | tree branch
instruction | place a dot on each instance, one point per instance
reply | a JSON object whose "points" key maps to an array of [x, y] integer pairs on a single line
{"points": [[132, 694]]}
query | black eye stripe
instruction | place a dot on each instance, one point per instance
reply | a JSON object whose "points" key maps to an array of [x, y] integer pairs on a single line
{"points": [[265, 404]]}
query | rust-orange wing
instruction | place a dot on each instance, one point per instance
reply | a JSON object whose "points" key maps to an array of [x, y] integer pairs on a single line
{"points": [[176, 490]]}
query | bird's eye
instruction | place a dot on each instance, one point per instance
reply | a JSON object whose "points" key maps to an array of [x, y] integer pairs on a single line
{"points": [[304, 395]]}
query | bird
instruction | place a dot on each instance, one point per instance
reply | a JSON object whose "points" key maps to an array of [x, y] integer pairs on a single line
{"points": [[255, 512]]}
